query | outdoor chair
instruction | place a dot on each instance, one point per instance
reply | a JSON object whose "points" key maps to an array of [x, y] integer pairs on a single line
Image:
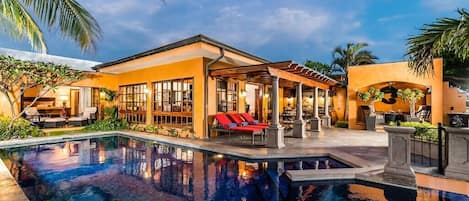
{"points": [[424, 112], [224, 124], [54, 122], [86, 118], [251, 120], [33, 115], [241, 122]]}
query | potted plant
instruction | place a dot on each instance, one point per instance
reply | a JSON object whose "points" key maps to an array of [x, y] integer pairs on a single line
{"points": [[371, 96], [411, 96]]}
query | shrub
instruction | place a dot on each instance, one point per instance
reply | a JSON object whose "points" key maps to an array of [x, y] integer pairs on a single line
{"points": [[110, 112], [424, 130], [107, 125], [152, 129], [341, 124], [22, 128]]}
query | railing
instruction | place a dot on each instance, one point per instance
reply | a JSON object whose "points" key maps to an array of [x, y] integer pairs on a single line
{"points": [[429, 147]]}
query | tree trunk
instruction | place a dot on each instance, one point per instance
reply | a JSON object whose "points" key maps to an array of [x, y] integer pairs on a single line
{"points": [[372, 109], [412, 109]]}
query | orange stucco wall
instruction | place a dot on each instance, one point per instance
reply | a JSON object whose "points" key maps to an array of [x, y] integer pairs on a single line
{"points": [[368, 75], [453, 101]]}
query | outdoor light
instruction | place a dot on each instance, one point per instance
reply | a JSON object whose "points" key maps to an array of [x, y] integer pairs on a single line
{"points": [[64, 99], [243, 93], [146, 91], [266, 95]]}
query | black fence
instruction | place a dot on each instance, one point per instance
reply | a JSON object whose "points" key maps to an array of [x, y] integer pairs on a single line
{"points": [[429, 147]]}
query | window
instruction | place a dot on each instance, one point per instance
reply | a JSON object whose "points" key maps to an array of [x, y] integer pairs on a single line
{"points": [[227, 96], [133, 103], [172, 102]]}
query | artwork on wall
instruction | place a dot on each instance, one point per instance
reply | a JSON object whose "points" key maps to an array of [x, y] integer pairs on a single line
{"points": [[389, 90]]}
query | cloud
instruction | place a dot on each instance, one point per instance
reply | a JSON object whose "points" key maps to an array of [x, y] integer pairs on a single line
{"points": [[444, 5], [120, 7], [393, 17]]}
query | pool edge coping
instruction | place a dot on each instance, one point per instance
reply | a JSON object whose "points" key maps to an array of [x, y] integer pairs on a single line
{"points": [[364, 166], [7, 181]]}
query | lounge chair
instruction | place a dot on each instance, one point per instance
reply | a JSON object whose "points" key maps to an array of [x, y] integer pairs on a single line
{"points": [[33, 115], [241, 122], [84, 119], [225, 125], [54, 122], [251, 120]]}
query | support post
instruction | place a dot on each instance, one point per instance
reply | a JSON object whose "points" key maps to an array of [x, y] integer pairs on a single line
{"points": [[275, 132], [398, 169], [299, 125], [326, 118], [316, 121], [458, 153]]}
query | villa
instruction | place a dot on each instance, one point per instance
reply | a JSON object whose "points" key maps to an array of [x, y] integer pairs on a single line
{"points": [[205, 86]]}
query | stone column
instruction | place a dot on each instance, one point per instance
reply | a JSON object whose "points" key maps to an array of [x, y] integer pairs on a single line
{"points": [[326, 118], [275, 132], [458, 153], [316, 121], [398, 169], [299, 125]]}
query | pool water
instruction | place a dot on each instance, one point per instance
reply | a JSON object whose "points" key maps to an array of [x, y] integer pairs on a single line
{"points": [[120, 168]]}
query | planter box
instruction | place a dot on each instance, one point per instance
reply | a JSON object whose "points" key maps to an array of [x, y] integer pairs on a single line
{"points": [[370, 122]]}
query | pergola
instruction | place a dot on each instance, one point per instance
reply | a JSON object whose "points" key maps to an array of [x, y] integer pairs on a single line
{"points": [[285, 73]]}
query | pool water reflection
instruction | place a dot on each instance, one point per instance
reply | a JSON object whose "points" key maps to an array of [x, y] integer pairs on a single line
{"points": [[120, 168]]}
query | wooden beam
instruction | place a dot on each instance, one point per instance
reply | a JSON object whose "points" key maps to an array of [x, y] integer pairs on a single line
{"points": [[239, 70], [297, 78]]}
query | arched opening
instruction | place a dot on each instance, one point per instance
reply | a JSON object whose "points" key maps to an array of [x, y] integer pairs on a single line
{"points": [[391, 103]]}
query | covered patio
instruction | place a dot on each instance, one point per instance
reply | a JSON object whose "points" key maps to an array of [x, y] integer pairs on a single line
{"points": [[284, 80]]}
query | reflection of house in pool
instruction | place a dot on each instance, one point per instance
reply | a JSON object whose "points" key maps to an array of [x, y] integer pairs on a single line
{"points": [[129, 169]]}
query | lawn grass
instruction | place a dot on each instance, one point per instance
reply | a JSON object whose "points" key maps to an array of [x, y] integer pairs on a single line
{"points": [[66, 132]]}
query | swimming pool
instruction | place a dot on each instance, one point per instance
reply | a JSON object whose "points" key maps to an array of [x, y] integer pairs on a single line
{"points": [[122, 168]]}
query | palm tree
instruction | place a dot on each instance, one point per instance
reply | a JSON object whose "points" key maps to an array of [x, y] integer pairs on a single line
{"points": [[444, 35], [353, 54], [71, 19]]}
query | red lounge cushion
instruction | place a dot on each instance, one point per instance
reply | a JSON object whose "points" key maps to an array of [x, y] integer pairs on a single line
{"points": [[248, 117], [223, 120], [251, 120], [236, 118]]}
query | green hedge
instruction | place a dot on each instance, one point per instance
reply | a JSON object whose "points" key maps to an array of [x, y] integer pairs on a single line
{"points": [[341, 124], [424, 130], [22, 128]]}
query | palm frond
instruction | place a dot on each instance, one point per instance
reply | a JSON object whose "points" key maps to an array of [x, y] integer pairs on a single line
{"points": [[20, 24], [445, 34], [72, 19]]}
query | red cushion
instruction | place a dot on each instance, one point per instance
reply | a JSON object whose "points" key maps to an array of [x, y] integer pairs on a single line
{"points": [[248, 117], [236, 118], [222, 119]]}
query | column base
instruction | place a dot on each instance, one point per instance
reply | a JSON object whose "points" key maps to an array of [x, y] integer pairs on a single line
{"points": [[326, 121], [457, 173], [299, 129], [316, 124], [403, 175], [275, 137]]}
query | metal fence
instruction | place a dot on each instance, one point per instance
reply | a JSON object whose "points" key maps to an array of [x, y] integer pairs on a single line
{"points": [[429, 147]]}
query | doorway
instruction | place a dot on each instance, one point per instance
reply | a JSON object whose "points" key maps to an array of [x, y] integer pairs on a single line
{"points": [[74, 102], [254, 100]]}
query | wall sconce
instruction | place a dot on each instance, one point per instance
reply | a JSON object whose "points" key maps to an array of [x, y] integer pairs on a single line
{"points": [[266, 95], [242, 93]]}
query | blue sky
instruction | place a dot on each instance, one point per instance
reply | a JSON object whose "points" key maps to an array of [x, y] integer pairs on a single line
{"points": [[276, 30]]}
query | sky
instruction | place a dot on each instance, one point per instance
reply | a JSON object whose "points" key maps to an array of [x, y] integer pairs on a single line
{"points": [[275, 30]]}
